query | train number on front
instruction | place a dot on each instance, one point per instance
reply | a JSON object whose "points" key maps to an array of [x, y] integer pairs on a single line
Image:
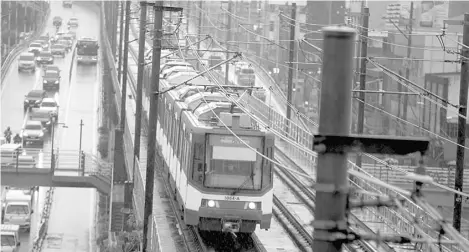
{"points": [[231, 198]]}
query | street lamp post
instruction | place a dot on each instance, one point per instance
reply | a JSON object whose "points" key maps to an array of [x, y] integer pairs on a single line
{"points": [[79, 148], [52, 141]]}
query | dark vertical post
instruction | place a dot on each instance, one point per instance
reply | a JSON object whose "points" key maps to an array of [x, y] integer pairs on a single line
{"points": [[121, 40], [150, 174], [228, 38], [335, 119], [407, 70], [463, 88], [199, 29], [363, 60], [125, 65], [52, 154], [141, 67], [291, 59], [79, 147]]}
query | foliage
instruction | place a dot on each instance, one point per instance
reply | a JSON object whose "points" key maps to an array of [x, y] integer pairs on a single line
{"points": [[127, 241]]}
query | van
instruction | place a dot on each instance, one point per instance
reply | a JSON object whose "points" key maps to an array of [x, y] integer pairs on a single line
{"points": [[9, 152], [26, 62], [18, 209], [10, 238]]}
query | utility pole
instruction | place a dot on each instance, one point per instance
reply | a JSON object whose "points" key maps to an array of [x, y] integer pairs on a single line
{"points": [[155, 86], [141, 67], [228, 38], [463, 88], [363, 60], [121, 40], [336, 99], [125, 65], [291, 60], [199, 29], [407, 71]]}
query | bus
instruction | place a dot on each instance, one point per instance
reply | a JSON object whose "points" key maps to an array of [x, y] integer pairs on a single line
{"points": [[87, 51]]}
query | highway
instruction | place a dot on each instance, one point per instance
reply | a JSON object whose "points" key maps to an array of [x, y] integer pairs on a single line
{"points": [[71, 225], [16, 86]]}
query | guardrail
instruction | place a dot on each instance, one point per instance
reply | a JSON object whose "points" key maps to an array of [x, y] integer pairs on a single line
{"points": [[19, 48], [44, 223]]}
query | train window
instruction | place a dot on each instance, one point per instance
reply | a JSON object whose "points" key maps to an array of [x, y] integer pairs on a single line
{"points": [[267, 168]]}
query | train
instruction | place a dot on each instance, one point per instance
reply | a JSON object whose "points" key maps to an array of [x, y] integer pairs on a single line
{"points": [[221, 184]]}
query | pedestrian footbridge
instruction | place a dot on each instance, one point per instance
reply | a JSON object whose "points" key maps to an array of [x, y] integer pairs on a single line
{"points": [[66, 171]]}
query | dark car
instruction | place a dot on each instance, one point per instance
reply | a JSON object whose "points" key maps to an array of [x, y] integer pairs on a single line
{"points": [[67, 4], [51, 79], [34, 98], [45, 58], [58, 49]]}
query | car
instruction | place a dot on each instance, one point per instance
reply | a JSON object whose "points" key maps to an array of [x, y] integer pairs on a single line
{"points": [[33, 132], [35, 47], [66, 43], [73, 34], [44, 44], [67, 4], [57, 21], [26, 62], [58, 49], [68, 37], [34, 98], [43, 116], [51, 79], [51, 105], [73, 22], [58, 35], [45, 38], [176, 69], [45, 57]]}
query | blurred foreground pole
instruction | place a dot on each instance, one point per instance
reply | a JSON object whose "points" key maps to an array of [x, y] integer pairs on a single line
{"points": [[151, 150], [463, 88], [335, 119]]}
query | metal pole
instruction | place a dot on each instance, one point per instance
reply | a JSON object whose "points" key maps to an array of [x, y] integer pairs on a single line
{"points": [[141, 67], [409, 54], [150, 174], [363, 55], [335, 119], [125, 65], [199, 29], [463, 88], [52, 154], [79, 147], [121, 41], [188, 15], [291, 59], [228, 38]]}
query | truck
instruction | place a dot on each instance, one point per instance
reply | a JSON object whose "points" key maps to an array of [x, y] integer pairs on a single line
{"points": [[10, 238], [18, 209], [87, 51]]}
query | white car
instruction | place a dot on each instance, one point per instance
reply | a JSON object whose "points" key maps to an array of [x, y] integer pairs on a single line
{"points": [[35, 47], [176, 69], [51, 105]]}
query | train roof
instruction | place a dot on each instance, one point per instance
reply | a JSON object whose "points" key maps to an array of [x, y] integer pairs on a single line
{"points": [[201, 103]]}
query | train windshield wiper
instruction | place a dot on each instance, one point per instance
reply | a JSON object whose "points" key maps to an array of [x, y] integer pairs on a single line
{"points": [[251, 177]]}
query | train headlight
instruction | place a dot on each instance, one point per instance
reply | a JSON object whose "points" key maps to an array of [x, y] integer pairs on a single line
{"points": [[211, 203], [252, 205]]}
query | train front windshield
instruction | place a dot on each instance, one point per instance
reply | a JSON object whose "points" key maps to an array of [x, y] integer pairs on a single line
{"points": [[231, 164]]}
